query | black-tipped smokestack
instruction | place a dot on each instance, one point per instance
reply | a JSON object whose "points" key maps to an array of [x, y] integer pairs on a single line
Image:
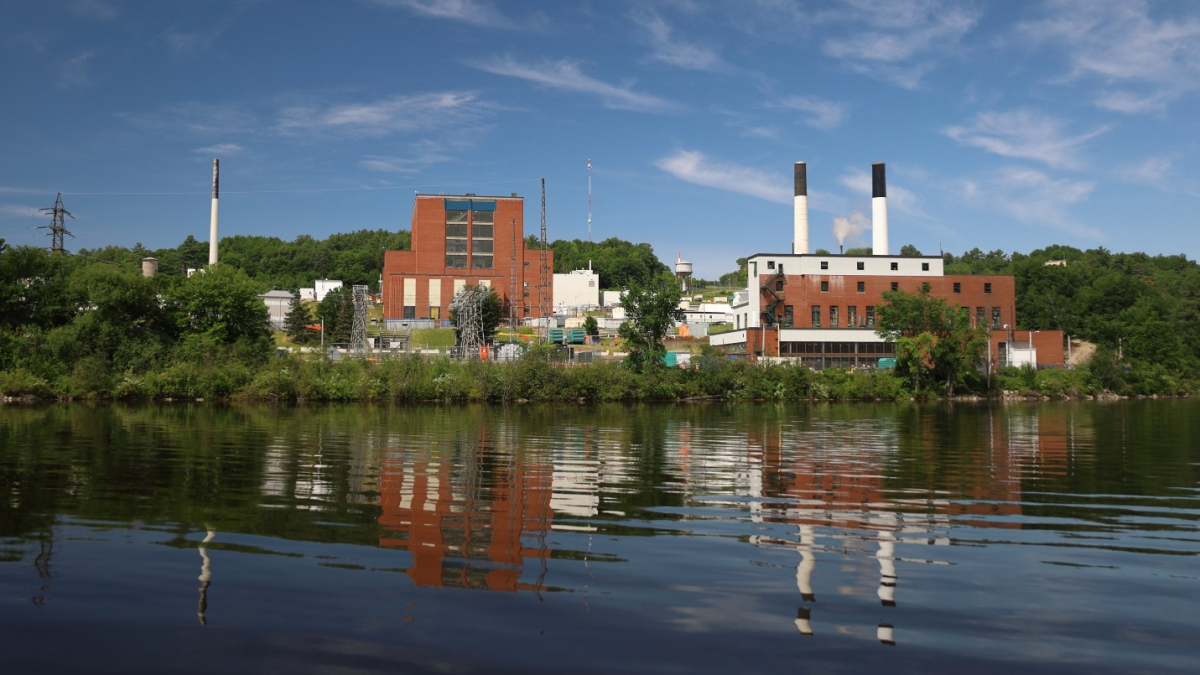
{"points": [[800, 215], [879, 224]]}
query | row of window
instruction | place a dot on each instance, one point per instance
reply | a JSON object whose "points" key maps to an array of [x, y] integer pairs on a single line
{"points": [[862, 286], [469, 236], [861, 266], [852, 317], [838, 348]]}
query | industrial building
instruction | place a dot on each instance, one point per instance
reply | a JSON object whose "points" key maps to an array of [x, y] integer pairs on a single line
{"points": [[464, 240], [577, 291], [820, 308]]}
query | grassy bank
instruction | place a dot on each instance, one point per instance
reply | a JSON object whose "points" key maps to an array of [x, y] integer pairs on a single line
{"points": [[534, 377]]}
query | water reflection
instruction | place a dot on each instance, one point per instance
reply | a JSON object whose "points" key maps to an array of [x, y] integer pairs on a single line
{"points": [[859, 522]]}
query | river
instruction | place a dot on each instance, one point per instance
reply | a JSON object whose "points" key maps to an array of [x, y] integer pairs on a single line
{"points": [[1049, 537]]}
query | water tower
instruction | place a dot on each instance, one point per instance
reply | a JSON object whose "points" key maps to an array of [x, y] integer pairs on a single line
{"points": [[683, 272]]}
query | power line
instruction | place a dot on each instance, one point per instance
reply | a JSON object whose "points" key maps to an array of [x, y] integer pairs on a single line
{"points": [[298, 190]]}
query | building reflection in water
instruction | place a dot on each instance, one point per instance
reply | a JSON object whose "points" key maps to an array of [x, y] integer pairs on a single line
{"points": [[205, 577], [844, 490], [470, 517]]}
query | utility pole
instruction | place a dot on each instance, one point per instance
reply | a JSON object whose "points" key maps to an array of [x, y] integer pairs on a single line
{"points": [[57, 225], [544, 278]]}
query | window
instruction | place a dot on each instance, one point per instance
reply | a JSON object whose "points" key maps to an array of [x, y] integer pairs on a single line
{"points": [[987, 288], [870, 316], [779, 285], [979, 316], [788, 316], [816, 316], [770, 264], [435, 312], [824, 264], [481, 239], [833, 317], [957, 287], [924, 267], [862, 287], [895, 286], [456, 239], [995, 317], [862, 266], [410, 312], [824, 286], [895, 266], [851, 316], [526, 263]]}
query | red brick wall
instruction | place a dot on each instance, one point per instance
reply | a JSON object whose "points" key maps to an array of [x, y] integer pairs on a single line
{"points": [[427, 260], [804, 291]]}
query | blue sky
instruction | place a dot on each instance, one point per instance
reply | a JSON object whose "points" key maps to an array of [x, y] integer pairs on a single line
{"points": [[1010, 125]]}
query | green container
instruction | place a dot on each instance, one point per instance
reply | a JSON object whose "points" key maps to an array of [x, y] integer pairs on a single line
{"points": [[887, 363]]}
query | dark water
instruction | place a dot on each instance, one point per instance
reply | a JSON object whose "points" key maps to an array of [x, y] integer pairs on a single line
{"points": [[754, 538]]}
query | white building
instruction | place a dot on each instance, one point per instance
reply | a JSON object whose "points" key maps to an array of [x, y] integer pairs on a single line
{"points": [[277, 303], [576, 291]]}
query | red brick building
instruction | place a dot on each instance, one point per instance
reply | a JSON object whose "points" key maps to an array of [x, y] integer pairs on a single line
{"points": [[820, 309], [458, 241]]}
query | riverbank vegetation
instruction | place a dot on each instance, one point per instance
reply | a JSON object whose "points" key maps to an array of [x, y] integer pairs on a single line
{"points": [[90, 326]]}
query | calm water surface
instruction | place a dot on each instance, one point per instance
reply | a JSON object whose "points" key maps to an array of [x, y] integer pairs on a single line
{"points": [[657, 539]]}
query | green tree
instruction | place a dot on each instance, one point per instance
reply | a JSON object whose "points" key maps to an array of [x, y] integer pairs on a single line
{"points": [[652, 310], [337, 310], [910, 251], [590, 327], [297, 320], [933, 338], [221, 306]]}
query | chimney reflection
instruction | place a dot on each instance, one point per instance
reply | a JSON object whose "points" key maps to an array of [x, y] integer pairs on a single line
{"points": [[205, 575]]}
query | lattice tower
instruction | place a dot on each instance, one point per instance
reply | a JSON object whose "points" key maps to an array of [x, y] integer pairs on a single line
{"points": [[468, 311], [57, 225], [358, 331]]}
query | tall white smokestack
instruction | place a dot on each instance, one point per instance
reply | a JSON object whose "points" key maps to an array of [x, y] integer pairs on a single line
{"points": [[212, 224], [879, 230], [800, 220]]}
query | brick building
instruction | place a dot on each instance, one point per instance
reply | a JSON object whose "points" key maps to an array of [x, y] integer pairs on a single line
{"points": [[820, 308], [459, 241]]}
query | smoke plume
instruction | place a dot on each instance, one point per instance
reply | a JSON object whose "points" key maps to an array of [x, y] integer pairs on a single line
{"points": [[853, 226]]}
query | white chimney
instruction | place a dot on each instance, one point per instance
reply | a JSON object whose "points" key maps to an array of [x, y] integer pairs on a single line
{"points": [[800, 220], [879, 228], [212, 224]]}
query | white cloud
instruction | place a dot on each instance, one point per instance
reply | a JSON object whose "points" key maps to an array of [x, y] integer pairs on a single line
{"points": [[1153, 171], [693, 167], [93, 9], [418, 112], [899, 198], [20, 211], [193, 117], [897, 40], [1035, 198], [675, 52], [1025, 134], [1118, 42], [471, 12], [190, 44], [74, 73], [566, 76], [823, 115], [220, 149]]}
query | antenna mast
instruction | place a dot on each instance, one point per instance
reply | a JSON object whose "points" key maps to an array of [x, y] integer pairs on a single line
{"points": [[589, 200], [544, 278], [58, 226], [512, 282]]}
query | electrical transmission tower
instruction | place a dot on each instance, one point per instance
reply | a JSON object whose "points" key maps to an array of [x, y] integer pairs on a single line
{"points": [[468, 312], [358, 331], [57, 225], [544, 278]]}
